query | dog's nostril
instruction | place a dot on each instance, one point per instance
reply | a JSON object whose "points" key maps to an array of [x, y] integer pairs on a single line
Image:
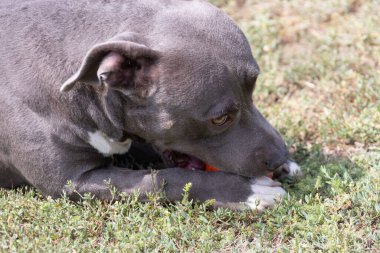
{"points": [[285, 168]]}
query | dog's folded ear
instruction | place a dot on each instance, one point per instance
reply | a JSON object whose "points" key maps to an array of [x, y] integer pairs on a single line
{"points": [[119, 65]]}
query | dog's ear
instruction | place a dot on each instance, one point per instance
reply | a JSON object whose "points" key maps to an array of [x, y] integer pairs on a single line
{"points": [[121, 65]]}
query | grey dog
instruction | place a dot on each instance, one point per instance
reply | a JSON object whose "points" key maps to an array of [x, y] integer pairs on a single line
{"points": [[82, 80]]}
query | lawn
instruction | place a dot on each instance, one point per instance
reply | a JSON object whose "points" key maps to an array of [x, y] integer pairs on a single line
{"points": [[320, 86]]}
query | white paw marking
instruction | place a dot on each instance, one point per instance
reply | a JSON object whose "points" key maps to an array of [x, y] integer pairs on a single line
{"points": [[265, 193], [107, 146], [294, 169]]}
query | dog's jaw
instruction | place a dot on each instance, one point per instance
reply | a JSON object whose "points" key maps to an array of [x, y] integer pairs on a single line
{"points": [[265, 194]]}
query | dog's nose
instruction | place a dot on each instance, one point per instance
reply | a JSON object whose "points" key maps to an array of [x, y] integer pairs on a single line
{"points": [[272, 165], [271, 160]]}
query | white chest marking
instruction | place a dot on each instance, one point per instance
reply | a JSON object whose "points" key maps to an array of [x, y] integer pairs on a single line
{"points": [[107, 146]]}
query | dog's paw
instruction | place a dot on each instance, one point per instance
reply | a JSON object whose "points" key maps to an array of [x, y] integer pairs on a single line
{"points": [[265, 193]]}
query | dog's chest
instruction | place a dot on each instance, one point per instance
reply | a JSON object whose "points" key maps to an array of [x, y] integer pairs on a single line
{"points": [[107, 146]]}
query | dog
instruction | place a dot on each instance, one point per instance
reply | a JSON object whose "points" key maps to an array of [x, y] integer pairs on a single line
{"points": [[83, 80]]}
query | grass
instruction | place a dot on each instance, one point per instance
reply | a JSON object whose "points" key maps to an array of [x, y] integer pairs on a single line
{"points": [[320, 86]]}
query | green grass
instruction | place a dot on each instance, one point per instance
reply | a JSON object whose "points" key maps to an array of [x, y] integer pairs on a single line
{"points": [[320, 86]]}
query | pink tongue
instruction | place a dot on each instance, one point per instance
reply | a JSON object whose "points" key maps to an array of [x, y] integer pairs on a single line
{"points": [[194, 163], [187, 162], [184, 161]]}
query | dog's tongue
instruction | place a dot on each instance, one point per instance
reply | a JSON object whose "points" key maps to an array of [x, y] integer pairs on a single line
{"points": [[193, 163], [184, 161]]}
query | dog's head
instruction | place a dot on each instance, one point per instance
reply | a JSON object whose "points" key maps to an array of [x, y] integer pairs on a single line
{"points": [[188, 92]]}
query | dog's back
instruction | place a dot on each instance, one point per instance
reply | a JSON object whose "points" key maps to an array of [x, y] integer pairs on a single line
{"points": [[49, 38]]}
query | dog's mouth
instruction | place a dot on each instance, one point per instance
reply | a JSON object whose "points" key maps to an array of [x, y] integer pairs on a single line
{"points": [[176, 159], [142, 155]]}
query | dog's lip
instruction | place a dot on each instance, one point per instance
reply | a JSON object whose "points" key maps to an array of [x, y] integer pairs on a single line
{"points": [[178, 159]]}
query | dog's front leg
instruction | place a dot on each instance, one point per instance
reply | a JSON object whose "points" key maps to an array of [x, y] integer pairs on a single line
{"points": [[228, 190]]}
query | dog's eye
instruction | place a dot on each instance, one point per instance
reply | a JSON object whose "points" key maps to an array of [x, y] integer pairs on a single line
{"points": [[219, 121]]}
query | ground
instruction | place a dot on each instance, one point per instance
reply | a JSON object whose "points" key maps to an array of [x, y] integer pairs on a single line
{"points": [[320, 86]]}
